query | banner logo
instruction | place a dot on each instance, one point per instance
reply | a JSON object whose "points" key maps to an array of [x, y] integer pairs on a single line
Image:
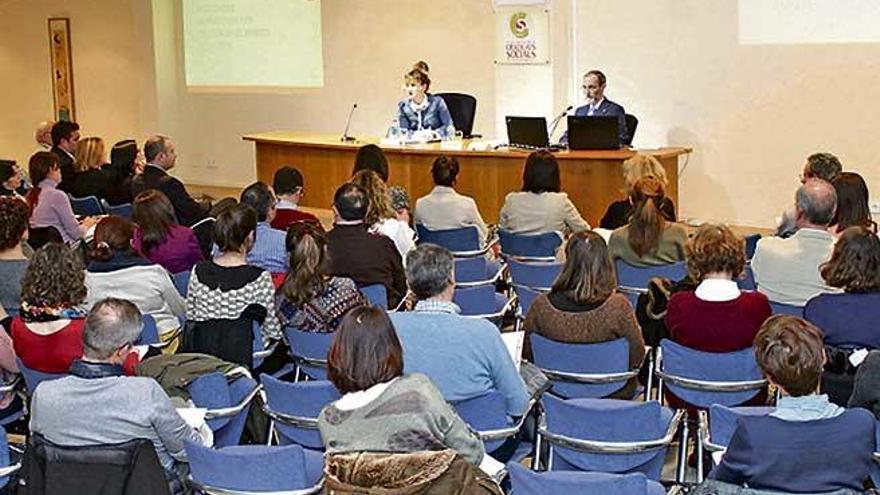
{"points": [[519, 26]]}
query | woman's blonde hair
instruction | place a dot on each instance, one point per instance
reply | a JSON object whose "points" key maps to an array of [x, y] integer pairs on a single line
{"points": [[639, 166], [377, 192], [89, 153]]}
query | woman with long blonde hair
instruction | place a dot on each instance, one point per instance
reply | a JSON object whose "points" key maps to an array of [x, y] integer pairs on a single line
{"points": [[649, 239], [381, 216], [90, 179], [634, 168]]}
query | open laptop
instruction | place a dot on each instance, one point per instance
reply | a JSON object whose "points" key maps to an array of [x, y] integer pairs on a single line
{"points": [[527, 132], [593, 133]]}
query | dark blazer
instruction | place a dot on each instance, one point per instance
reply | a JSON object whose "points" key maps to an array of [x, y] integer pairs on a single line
{"points": [[608, 109], [67, 170], [188, 210], [93, 182], [367, 259], [800, 456]]}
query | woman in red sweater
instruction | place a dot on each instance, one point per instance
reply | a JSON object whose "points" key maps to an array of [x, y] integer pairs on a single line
{"points": [[716, 316]]}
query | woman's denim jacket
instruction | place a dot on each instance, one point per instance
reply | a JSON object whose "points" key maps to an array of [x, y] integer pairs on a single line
{"points": [[435, 117]]}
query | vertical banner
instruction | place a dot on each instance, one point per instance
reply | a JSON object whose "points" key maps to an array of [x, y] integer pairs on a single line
{"points": [[522, 34], [61, 63]]}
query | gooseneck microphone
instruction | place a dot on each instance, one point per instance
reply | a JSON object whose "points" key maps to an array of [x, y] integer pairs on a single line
{"points": [[555, 122], [345, 136]]}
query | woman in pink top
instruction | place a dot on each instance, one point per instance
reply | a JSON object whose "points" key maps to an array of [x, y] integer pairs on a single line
{"points": [[50, 207], [159, 237]]}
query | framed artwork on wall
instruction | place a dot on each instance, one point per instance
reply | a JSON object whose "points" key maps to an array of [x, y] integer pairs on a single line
{"points": [[62, 68]]}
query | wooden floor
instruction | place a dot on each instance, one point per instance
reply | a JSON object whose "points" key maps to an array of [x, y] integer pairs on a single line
{"points": [[326, 216]]}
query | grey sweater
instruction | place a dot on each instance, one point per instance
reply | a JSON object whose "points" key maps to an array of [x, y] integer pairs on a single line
{"points": [[409, 416]]}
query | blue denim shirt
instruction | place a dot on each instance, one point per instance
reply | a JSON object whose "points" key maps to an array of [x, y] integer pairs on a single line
{"points": [[436, 117]]}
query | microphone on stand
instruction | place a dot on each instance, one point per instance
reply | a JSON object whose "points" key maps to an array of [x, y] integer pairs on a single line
{"points": [[345, 136], [555, 122]]}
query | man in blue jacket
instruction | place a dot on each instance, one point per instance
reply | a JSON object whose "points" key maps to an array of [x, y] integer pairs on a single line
{"points": [[598, 106]]}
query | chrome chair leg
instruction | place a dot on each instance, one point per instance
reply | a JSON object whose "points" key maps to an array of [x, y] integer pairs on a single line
{"points": [[682, 453]]}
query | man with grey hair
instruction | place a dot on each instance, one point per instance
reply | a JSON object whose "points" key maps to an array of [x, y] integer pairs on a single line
{"points": [[787, 270], [161, 156], [822, 165], [464, 357], [43, 136], [97, 404]]}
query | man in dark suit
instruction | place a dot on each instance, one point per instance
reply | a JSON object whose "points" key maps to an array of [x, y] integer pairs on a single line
{"points": [[64, 138], [598, 106], [161, 156], [358, 254]]}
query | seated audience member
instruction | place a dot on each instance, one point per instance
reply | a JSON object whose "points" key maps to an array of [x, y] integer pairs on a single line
{"points": [[226, 295], [90, 178], [357, 254], [383, 410], [50, 207], [852, 203], [434, 335], [381, 217], [371, 157], [787, 270], [311, 298], [161, 156], [268, 251], [866, 389], [9, 401], [716, 316], [288, 185], [159, 237], [583, 307], [47, 334], [619, 212], [11, 180], [807, 444], [540, 207], [43, 136], [823, 166], [64, 137], [649, 239], [126, 161], [13, 262], [444, 208], [117, 270], [98, 405], [848, 320]]}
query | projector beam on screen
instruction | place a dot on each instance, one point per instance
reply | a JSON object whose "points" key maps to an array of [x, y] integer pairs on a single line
{"points": [[253, 45]]}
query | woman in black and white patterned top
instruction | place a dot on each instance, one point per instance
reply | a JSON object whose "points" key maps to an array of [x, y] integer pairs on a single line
{"points": [[226, 295]]}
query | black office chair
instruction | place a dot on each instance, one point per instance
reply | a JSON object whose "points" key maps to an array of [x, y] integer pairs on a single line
{"points": [[463, 109], [632, 122]]}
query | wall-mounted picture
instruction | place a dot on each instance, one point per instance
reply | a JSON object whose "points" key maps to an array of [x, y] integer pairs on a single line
{"points": [[62, 68]]}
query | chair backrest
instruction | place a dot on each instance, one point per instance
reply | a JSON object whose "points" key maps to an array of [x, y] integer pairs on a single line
{"points": [[87, 206], [602, 358], [722, 421], [480, 300], [687, 363], [248, 468], [632, 123], [149, 334], [526, 296], [524, 481], [213, 391], [460, 240], [633, 280], [203, 230], [484, 413], [537, 275], [472, 271], [309, 351], [536, 247], [786, 309], [33, 377], [40, 236], [747, 280], [751, 245], [181, 282], [463, 109], [123, 210], [294, 409], [377, 294], [607, 420], [5, 468]]}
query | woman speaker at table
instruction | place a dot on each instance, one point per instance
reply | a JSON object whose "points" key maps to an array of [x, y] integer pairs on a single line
{"points": [[421, 111]]}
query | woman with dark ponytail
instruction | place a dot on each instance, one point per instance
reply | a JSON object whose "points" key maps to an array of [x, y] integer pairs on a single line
{"points": [[649, 239], [50, 206], [117, 270]]}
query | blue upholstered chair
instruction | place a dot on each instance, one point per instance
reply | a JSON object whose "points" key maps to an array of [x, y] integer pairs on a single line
{"points": [[32, 377], [464, 242], [633, 280], [7, 468], [309, 352], [252, 469], [294, 409], [149, 334], [181, 282], [538, 247], [227, 404], [470, 272], [377, 294], [786, 309], [531, 279], [583, 370], [527, 482], [487, 416], [483, 302], [717, 425], [88, 206], [123, 210], [607, 435]]}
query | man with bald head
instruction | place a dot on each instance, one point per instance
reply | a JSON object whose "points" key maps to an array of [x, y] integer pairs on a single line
{"points": [[43, 136], [787, 270]]}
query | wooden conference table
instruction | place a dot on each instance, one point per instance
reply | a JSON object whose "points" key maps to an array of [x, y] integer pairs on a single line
{"points": [[592, 179]]}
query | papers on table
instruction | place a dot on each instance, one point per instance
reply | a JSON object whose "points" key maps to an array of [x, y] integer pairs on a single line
{"points": [[513, 341]]}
